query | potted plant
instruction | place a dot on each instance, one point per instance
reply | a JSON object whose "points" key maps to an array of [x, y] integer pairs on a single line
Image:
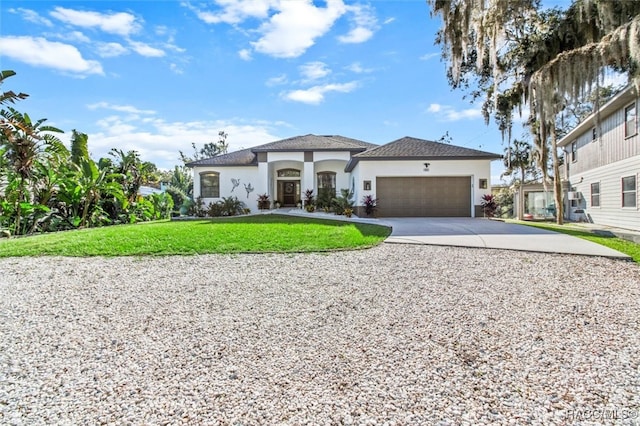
{"points": [[370, 204], [263, 202], [276, 204], [348, 212]]}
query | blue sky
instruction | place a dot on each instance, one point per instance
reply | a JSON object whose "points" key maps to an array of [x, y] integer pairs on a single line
{"points": [[157, 76]]}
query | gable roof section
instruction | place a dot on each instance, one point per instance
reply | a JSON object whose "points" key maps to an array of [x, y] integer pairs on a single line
{"points": [[244, 157], [622, 99], [315, 143], [409, 148], [247, 157]]}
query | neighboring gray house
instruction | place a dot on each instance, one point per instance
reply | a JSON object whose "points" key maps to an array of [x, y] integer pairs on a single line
{"points": [[602, 163], [409, 176]]}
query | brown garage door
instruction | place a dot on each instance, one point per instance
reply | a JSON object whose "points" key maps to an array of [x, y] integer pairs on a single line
{"points": [[424, 196]]}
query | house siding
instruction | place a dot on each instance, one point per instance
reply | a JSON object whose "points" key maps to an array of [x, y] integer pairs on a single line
{"points": [[612, 146], [606, 161], [610, 211]]}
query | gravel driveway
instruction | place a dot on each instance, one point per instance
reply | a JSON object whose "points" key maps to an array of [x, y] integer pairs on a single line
{"points": [[397, 335]]}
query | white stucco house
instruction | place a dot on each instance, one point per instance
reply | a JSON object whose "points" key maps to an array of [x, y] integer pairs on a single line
{"points": [[602, 160], [409, 176]]}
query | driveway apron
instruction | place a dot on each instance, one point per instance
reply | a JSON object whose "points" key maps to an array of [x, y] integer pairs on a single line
{"points": [[485, 233]]}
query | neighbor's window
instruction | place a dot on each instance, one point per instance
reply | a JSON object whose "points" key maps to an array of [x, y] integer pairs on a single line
{"points": [[630, 124], [326, 184], [595, 194], [629, 191], [594, 134], [574, 151], [484, 184], [210, 185]]}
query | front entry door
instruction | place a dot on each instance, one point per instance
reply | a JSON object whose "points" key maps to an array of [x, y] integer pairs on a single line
{"points": [[289, 192]]}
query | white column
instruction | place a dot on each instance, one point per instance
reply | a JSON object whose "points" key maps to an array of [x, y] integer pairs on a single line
{"points": [[309, 178], [262, 186]]}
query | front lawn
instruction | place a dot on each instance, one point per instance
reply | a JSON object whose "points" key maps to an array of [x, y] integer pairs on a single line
{"points": [[627, 247], [241, 234]]}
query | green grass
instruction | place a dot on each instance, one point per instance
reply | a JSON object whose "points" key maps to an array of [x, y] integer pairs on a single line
{"points": [[241, 234], [627, 247]]}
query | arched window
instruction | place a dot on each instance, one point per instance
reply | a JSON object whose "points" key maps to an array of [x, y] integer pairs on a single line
{"points": [[326, 185], [210, 185]]}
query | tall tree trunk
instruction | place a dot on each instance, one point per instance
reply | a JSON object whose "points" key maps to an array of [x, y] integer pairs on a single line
{"points": [[521, 195], [557, 182]]}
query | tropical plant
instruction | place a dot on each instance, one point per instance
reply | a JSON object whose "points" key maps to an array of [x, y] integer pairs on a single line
{"points": [[263, 202], [343, 201], [231, 206], [308, 197], [79, 147], [370, 203], [489, 205], [324, 200], [23, 143], [9, 96]]}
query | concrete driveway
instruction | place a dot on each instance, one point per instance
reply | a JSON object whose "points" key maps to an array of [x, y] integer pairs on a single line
{"points": [[484, 233]]}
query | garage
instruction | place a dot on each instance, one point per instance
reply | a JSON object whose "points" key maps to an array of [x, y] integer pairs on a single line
{"points": [[421, 196]]}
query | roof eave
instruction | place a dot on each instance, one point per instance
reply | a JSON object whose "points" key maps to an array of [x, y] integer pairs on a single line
{"points": [[431, 157]]}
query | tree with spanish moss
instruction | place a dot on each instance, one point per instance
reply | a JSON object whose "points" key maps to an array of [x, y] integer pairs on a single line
{"points": [[514, 56]]}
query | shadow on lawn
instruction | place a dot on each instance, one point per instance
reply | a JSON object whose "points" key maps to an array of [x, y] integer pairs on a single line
{"points": [[365, 229]]}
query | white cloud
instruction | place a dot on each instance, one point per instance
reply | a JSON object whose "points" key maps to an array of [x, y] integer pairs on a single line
{"points": [[245, 54], [356, 35], [32, 16], [428, 56], [277, 81], [121, 23], [289, 27], [41, 52], [144, 49], [357, 68], [388, 21], [235, 11], [294, 29], [314, 70], [120, 108], [448, 113], [72, 36], [159, 141], [364, 24], [315, 95], [111, 50], [176, 69]]}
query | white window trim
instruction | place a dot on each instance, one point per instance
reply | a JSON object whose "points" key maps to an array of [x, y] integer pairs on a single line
{"points": [[635, 191], [635, 106]]}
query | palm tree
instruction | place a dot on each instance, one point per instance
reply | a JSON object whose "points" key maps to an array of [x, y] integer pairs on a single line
{"points": [[517, 157]]}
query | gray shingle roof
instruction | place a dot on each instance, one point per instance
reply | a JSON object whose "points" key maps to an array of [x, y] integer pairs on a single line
{"points": [[407, 148], [413, 148], [315, 143], [244, 157]]}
